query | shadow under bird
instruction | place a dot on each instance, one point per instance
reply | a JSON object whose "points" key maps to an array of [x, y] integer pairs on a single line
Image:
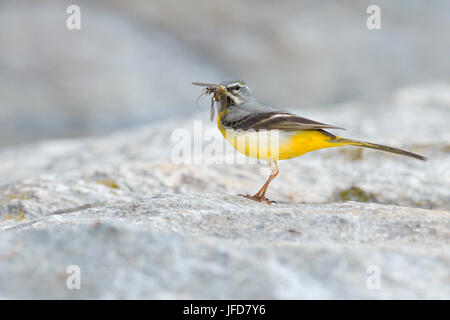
{"points": [[262, 131]]}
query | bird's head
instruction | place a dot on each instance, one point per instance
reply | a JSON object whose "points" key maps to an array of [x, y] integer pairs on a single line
{"points": [[237, 90], [227, 93]]}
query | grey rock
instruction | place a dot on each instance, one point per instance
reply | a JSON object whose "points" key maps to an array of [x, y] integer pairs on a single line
{"points": [[219, 247]]}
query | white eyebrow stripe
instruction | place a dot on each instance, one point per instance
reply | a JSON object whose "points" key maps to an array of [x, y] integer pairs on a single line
{"points": [[234, 84]]}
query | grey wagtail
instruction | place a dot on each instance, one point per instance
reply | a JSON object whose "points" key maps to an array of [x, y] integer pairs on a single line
{"points": [[250, 126]]}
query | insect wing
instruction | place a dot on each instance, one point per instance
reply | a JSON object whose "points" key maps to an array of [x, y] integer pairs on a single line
{"points": [[213, 113]]}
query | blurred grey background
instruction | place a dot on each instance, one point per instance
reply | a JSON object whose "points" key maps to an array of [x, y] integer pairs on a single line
{"points": [[133, 61]]}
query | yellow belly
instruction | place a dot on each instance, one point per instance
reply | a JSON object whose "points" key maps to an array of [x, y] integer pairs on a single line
{"points": [[301, 142], [275, 144]]}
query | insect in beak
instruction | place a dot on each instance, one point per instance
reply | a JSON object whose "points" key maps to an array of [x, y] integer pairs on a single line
{"points": [[217, 92]]}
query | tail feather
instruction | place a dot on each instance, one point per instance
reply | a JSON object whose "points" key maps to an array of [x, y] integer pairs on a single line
{"points": [[377, 147]]}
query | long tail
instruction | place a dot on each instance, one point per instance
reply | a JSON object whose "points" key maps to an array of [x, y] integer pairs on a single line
{"points": [[376, 146]]}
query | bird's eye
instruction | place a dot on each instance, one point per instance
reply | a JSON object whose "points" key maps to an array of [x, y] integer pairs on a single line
{"points": [[236, 88]]}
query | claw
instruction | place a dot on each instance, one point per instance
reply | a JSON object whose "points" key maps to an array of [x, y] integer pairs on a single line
{"points": [[257, 199]]}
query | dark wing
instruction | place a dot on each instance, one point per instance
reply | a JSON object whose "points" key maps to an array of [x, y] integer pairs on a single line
{"points": [[276, 120]]}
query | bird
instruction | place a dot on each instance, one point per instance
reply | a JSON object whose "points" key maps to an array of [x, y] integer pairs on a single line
{"points": [[265, 132]]}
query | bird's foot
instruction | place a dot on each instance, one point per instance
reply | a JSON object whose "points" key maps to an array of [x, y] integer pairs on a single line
{"points": [[257, 199]]}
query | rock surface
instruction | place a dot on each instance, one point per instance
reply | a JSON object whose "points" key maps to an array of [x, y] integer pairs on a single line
{"points": [[139, 224], [219, 247]]}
